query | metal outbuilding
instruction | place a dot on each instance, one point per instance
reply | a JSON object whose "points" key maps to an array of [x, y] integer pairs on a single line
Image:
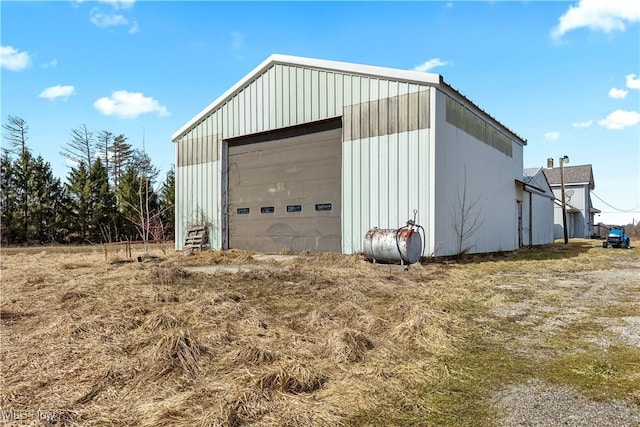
{"points": [[307, 154]]}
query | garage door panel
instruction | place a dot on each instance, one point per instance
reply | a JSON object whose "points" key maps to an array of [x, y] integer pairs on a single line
{"points": [[302, 170], [273, 177], [278, 155], [283, 193], [279, 244]]}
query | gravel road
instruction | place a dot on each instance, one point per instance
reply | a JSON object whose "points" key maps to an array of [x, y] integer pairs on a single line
{"points": [[555, 304]]}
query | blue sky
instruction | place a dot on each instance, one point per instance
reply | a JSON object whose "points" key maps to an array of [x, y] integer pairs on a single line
{"points": [[564, 75]]}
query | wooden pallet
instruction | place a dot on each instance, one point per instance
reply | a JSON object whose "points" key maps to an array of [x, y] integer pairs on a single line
{"points": [[196, 239]]}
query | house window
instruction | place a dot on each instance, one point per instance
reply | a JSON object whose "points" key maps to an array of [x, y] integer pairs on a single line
{"points": [[267, 209], [294, 208], [242, 211]]}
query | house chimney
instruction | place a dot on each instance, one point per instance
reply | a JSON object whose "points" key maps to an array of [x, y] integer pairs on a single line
{"points": [[550, 163]]}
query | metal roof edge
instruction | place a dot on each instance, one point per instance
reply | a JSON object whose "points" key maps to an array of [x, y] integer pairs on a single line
{"points": [[570, 184], [451, 90], [538, 191], [219, 100], [347, 67]]}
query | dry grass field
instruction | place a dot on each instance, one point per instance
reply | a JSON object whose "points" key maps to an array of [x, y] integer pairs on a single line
{"points": [[543, 336]]}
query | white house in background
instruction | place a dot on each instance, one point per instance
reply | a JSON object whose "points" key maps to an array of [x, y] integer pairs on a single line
{"points": [[578, 183], [537, 208], [309, 154]]}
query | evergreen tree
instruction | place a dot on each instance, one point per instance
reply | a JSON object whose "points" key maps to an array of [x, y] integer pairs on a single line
{"points": [[79, 192], [16, 134], [121, 152], [8, 199], [45, 202], [104, 148], [102, 224], [167, 204]]}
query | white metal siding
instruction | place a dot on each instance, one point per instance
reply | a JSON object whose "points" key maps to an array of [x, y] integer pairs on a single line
{"points": [[386, 176], [399, 153], [578, 223], [490, 185], [541, 221], [280, 97], [197, 200], [384, 179], [385, 165]]}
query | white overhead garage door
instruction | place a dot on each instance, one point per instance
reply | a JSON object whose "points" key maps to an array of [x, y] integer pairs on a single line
{"points": [[285, 193]]}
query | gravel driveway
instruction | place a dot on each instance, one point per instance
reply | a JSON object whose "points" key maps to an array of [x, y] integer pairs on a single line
{"points": [[553, 304]]}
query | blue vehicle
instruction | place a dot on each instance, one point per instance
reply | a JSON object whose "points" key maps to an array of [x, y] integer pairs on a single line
{"points": [[617, 239]]}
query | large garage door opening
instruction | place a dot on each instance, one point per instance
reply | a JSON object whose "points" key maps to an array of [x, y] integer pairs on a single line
{"points": [[285, 190]]}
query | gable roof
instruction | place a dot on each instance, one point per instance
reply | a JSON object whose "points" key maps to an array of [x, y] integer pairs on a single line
{"points": [[344, 67], [573, 175], [535, 176], [529, 174]]}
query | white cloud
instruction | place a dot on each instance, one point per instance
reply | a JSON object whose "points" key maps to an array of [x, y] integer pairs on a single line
{"points": [[632, 82], [237, 40], [51, 64], [13, 60], [617, 93], [607, 16], [552, 136], [129, 105], [104, 20], [620, 119], [428, 65], [134, 28], [58, 91], [584, 124]]}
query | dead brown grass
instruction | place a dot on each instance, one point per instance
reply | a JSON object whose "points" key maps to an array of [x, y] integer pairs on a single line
{"points": [[292, 378], [317, 340]]}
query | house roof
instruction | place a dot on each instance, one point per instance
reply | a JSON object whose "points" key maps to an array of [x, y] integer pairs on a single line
{"points": [[529, 175], [345, 67], [534, 178], [573, 175]]}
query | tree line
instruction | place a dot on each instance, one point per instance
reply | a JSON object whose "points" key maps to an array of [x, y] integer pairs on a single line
{"points": [[109, 193]]}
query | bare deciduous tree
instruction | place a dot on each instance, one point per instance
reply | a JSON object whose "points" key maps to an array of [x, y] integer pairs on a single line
{"points": [[81, 147], [466, 218]]}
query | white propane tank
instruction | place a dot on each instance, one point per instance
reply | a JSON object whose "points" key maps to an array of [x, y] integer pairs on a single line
{"points": [[402, 245]]}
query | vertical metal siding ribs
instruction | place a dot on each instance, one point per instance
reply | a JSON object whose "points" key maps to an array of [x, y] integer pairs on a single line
{"points": [[387, 116], [464, 119]]}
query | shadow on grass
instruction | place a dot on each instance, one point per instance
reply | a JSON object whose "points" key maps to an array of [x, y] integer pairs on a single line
{"points": [[553, 251]]}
